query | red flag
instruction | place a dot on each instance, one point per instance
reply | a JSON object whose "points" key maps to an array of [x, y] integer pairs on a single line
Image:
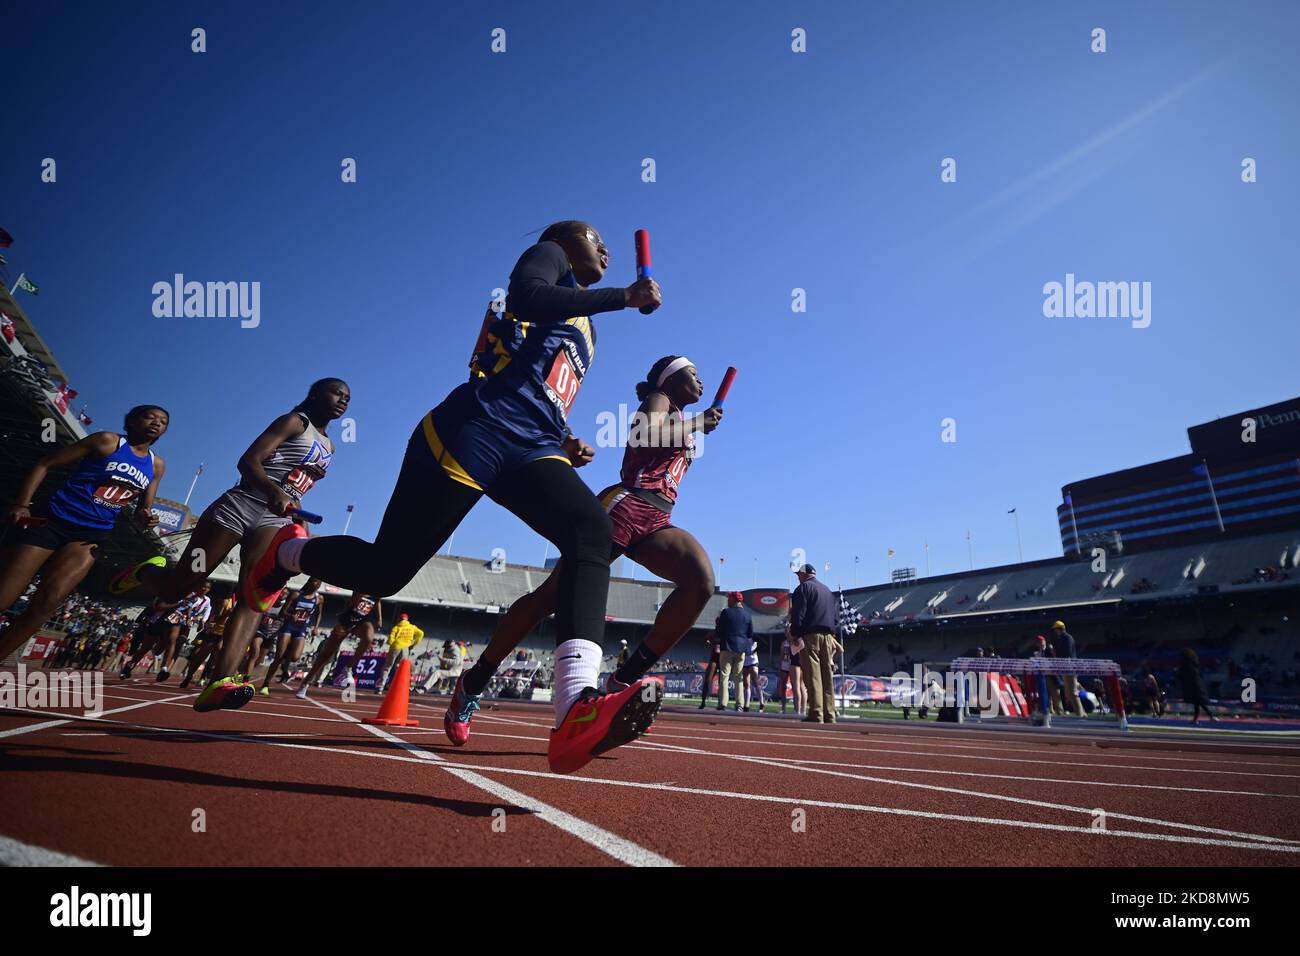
{"points": [[83, 417], [6, 240]]}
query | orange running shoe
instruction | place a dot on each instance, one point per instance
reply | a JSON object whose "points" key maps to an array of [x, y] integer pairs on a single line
{"points": [[597, 723], [267, 579]]}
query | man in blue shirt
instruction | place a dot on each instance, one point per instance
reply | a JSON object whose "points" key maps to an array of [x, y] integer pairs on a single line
{"points": [[812, 622], [734, 630]]}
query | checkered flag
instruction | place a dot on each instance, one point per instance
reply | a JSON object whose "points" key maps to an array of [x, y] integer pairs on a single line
{"points": [[849, 616]]}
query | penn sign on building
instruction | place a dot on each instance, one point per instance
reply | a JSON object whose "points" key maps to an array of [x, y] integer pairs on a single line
{"points": [[1241, 477]]}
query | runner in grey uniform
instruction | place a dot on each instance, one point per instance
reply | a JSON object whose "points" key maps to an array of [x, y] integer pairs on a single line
{"points": [[295, 466]]}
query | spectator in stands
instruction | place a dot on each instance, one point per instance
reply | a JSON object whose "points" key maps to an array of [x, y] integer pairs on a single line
{"points": [[1063, 645], [735, 632], [1193, 684], [812, 631]]}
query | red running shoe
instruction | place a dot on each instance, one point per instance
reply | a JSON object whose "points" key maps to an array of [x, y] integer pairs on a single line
{"points": [[267, 579], [597, 723]]}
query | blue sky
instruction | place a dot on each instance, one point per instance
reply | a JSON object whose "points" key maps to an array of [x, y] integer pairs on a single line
{"points": [[775, 171]]}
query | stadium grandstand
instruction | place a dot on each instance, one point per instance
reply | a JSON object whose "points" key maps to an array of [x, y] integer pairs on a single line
{"points": [[1199, 551]]}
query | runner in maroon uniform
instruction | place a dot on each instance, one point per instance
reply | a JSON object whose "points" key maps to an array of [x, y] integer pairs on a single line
{"points": [[661, 446]]}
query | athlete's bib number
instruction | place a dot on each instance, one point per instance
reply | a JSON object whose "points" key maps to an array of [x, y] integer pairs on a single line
{"points": [[677, 469], [113, 495], [562, 383], [297, 483]]}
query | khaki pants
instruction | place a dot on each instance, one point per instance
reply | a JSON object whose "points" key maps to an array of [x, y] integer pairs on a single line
{"points": [[1072, 703], [730, 662], [818, 677], [395, 656]]}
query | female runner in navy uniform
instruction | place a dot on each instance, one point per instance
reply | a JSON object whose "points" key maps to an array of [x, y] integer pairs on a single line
{"points": [[363, 614], [300, 607], [112, 471], [503, 434], [660, 448]]}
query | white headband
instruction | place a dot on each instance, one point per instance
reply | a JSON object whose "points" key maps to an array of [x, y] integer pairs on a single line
{"points": [[675, 366]]}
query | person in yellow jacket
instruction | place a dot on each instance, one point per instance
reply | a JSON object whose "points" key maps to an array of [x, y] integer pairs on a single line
{"points": [[402, 639]]}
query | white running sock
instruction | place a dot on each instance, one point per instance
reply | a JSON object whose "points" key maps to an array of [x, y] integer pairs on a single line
{"points": [[577, 666], [289, 554]]}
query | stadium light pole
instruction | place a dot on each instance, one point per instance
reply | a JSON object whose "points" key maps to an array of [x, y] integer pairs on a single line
{"points": [[927, 557], [1020, 552], [970, 548]]}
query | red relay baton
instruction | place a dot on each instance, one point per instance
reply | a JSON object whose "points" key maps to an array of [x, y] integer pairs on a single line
{"points": [[725, 387], [642, 239]]}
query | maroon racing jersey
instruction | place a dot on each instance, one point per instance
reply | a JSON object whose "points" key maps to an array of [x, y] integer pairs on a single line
{"points": [[655, 474]]}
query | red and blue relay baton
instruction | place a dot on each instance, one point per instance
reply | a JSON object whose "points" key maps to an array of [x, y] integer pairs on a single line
{"points": [[725, 387], [642, 238]]}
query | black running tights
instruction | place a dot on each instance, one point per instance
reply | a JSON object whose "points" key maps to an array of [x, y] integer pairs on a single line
{"points": [[427, 505]]}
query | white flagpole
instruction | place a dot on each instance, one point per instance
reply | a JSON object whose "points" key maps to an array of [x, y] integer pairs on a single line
{"points": [[17, 282], [1078, 545], [348, 522], [1015, 513], [970, 547], [198, 471], [1213, 496]]}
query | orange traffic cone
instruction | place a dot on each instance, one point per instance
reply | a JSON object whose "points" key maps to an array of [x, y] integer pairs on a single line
{"points": [[392, 712]]}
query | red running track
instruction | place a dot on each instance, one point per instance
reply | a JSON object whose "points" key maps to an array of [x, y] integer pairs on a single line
{"points": [[288, 782]]}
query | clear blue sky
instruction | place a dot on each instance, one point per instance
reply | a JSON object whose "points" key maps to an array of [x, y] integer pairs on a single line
{"points": [[775, 171]]}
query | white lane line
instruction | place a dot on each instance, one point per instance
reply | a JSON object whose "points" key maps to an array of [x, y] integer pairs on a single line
{"points": [[809, 738], [380, 733], [1078, 746], [999, 776], [69, 718], [16, 853], [625, 851], [1282, 847], [811, 744], [659, 735], [695, 791], [1006, 798]]}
